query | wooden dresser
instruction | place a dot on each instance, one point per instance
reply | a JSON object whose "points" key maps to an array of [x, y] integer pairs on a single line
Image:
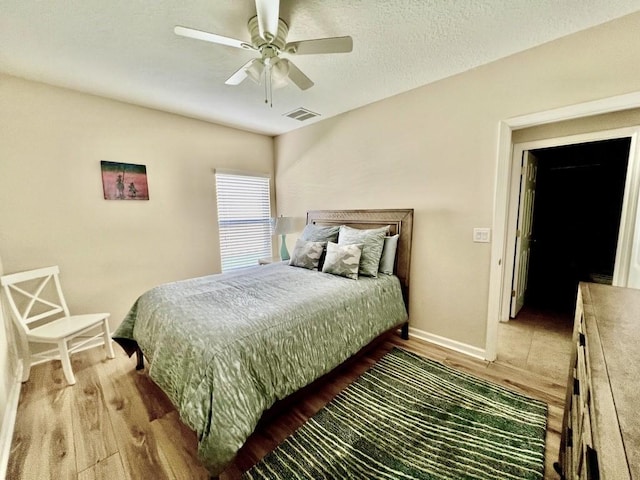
{"points": [[601, 426]]}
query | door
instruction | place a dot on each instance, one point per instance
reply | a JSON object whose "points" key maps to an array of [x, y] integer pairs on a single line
{"points": [[523, 234]]}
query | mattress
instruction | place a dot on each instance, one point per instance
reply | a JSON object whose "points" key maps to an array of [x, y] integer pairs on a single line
{"points": [[225, 347]]}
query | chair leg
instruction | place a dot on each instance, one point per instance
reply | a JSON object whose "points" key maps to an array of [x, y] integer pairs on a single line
{"points": [[66, 362], [25, 353], [26, 367], [108, 344]]}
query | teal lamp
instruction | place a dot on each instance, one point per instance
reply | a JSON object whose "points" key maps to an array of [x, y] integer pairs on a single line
{"points": [[282, 226]]}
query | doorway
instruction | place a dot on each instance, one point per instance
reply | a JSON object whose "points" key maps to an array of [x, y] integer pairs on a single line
{"points": [[576, 215], [507, 172], [575, 222]]}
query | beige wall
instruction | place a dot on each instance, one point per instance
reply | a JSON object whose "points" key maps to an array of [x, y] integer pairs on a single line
{"points": [[434, 149], [52, 209]]}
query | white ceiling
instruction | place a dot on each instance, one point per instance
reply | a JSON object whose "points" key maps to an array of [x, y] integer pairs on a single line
{"points": [[126, 49]]}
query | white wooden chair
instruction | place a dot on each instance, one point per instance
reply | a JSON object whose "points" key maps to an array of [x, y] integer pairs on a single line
{"points": [[41, 315]]}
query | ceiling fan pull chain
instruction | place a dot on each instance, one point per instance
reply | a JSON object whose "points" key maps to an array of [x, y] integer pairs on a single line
{"points": [[266, 89], [267, 85]]}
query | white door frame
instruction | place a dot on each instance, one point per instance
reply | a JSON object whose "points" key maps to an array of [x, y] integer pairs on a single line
{"points": [[627, 214], [503, 188]]}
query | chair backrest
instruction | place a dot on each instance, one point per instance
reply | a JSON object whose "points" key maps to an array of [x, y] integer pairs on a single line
{"points": [[31, 296]]}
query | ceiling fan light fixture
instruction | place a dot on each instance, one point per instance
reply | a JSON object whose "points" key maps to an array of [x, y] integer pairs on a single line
{"points": [[255, 70], [279, 72]]}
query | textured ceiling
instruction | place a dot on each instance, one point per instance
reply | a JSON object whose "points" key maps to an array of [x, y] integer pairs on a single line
{"points": [[126, 49]]}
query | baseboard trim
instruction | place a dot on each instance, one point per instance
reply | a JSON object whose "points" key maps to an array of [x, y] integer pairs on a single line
{"points": [[448, 343], [9, 422]]}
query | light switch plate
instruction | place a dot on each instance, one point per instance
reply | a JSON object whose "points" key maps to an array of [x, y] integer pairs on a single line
{"points": [[482, 235]]}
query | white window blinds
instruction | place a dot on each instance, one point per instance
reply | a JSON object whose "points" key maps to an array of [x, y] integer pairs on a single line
{"points": [[244, 215]]}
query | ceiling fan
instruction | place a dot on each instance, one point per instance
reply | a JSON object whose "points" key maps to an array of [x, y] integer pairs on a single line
{"points": [[269, 38]]}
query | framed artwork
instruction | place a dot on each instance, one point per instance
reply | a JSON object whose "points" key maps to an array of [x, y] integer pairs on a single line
{"points": [[124, 181]]}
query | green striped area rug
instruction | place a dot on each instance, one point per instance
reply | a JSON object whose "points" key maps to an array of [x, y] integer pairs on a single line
{"points": [[413, 418]]}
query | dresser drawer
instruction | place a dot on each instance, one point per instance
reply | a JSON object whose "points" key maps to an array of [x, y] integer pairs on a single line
{"points": [[583, 374], [599, 435], [585, 446], [581, 433]]}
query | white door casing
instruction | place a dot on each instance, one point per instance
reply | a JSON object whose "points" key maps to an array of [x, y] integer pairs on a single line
{"points": [[528, 179], [626, 248], [500, 271]]}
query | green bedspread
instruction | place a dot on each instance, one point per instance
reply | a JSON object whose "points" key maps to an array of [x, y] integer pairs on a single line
{"points": [[224, 348]]}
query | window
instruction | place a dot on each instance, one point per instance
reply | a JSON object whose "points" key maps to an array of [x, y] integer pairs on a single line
{"points": [[244, 219]]}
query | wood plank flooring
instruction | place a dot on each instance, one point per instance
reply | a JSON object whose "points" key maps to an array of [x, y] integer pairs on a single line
{"points": [[116, 424]]}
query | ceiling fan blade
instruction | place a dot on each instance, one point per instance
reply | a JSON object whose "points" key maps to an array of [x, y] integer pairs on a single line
{"points": [[211, 37], [320, 45], [268, 12], [241, 74], [296, 76]]}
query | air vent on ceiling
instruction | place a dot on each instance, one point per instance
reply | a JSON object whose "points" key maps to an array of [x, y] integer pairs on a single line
{"points": [[301, 114]]}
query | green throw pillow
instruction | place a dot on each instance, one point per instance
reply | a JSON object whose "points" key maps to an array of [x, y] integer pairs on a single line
{"points": [[317, 233], [372, 241], [342, 260], [307, 254]]}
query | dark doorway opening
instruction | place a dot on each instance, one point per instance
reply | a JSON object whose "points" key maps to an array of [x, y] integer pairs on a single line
{"points": [[576, 220]]}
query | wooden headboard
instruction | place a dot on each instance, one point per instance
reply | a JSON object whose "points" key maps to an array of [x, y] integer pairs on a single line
{"points": [[399, 220]]}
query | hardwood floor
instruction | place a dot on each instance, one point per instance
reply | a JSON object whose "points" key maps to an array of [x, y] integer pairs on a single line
{"points": [[116, 424]]}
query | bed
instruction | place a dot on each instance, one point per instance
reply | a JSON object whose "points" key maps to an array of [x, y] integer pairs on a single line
{"points": [[225, 348]]}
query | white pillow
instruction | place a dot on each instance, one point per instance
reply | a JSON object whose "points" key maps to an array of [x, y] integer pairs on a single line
{"points": [[388, 258]]}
